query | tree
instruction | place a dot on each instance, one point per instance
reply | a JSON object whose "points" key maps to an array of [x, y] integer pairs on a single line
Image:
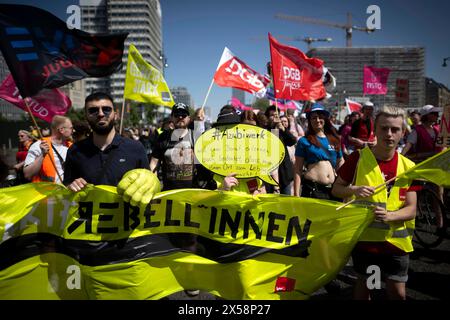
{"points": [[261, 104]]}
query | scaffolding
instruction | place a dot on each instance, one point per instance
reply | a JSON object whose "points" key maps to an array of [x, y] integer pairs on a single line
{"points": [[347, 66]]}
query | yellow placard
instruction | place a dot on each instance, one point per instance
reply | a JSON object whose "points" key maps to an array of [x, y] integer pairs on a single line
{"points": [[145, 83], [246, 150]]}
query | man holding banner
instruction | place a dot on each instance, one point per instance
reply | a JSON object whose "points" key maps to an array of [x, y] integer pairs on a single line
{"points": [[106, 157], [387, 241]]}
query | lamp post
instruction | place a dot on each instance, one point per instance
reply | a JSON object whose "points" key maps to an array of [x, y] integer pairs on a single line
{"points": [[444, 64], [165, 65], [163, 58]]}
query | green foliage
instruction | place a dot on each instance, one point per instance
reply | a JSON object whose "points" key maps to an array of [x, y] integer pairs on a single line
{"points": [[76, 114], [261, 104]]}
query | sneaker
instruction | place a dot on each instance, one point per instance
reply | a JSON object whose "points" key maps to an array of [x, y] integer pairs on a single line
{"points": [[192, 293]]}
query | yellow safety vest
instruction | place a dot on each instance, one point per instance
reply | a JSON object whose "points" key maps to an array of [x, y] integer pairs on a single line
{"points": [[368, 173]]}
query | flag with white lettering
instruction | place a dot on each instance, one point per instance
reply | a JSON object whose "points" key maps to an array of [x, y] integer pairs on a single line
{"points": [[375, 80], [41, 52], [57, 244], [145, 83], [233, 72], [44, 105], [294, 75]]}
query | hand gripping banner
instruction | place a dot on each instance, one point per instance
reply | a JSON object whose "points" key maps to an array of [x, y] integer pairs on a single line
{"points": [[91, 245]]}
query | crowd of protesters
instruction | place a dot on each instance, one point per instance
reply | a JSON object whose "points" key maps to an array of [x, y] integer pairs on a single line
{"points": [[319, 152]]}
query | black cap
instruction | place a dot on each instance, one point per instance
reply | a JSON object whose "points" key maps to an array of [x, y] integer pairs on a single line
{"points": [[227, 115], [180, 108]]}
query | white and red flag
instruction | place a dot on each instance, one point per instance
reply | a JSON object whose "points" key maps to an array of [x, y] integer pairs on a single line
{"points": [[352, 106], [233, 72], [295, 76], [375, 80], [44, 105]]}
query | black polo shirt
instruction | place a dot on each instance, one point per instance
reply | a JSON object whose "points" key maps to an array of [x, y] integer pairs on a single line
{"points": [[85, 160]]}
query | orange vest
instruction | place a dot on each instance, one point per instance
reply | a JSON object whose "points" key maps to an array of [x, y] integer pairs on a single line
{"points": [[48, 171]]}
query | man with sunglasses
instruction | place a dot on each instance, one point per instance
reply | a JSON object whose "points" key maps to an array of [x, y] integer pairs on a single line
{"points": [[105, 157]]}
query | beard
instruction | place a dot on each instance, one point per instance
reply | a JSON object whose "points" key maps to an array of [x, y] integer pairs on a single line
{"points": [[102, 130]]}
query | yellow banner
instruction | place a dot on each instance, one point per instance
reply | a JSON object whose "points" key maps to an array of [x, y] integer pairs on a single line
{"points": [[145, 83], [91, 245]]}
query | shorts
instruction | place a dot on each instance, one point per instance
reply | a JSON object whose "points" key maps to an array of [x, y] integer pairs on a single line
{"points": [[392, 267]]}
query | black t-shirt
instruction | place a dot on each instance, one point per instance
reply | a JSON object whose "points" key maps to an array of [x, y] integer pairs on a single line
{"points": [[85, 160], [177, 159]]}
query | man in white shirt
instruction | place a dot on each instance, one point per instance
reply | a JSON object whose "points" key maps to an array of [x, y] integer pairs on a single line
{"points": [[45, 158]]}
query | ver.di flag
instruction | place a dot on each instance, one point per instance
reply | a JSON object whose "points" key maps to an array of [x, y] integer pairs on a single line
{"points": [[44, 105], [145, 83], [41, 52], [294, 75], [99, 247], [233, 72]]}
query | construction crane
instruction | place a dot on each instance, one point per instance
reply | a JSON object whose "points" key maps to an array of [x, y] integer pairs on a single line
{"points": [[308, 40], [348, 27]]}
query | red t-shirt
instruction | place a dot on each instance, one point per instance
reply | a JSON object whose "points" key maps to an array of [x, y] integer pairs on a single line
{"points": [[389, 170]]}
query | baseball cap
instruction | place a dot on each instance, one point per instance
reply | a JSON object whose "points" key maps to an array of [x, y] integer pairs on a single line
{"points": [[368, 104], [227, 115], [429, 109], [180, 108]]}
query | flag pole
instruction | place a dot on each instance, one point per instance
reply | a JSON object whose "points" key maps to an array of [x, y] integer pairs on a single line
{"points": [[380, 186], [207, 94], [376, 188], [121, 116], [40, 137]]}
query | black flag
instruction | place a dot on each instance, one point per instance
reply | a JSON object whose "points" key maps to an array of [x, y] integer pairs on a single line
{"points": [[41, 52]]}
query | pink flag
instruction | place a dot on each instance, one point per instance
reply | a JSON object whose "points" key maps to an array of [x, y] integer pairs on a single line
{"points": [[375, 80], [46, 104], [352, 106], [233, 72], [283, 105], [235, 102]]}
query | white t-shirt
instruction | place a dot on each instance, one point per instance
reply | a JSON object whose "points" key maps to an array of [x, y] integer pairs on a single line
{"points": [[35, 151]]}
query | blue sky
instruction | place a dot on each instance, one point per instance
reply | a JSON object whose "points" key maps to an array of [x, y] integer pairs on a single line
{"points": [[196, 31]]}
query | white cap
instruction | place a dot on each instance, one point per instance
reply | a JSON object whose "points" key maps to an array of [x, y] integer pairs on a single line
{"points": [[367, 104], [429, 109]]}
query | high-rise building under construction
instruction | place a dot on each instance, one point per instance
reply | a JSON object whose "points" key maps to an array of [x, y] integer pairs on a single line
{"points": [[347, 65]]}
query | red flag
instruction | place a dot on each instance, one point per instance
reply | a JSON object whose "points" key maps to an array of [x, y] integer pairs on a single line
{"points": [[295, 76], [233, 72], [375, 80], [352, 106], [46, 104]]}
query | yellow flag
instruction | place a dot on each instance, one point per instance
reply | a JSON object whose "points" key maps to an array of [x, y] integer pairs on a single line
{"points": [[435, 169], [55, 244], [145, 83]]}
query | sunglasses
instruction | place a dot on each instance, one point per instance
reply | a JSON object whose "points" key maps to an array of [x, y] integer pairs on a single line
{"points": [[95, 110], [182, 115]]}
